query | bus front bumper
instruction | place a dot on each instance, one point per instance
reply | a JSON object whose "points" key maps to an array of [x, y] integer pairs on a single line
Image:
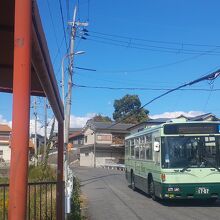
{"points": [[190, 191]]}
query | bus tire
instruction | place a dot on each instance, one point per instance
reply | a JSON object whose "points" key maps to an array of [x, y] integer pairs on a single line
{"points": [[152, 189], [133, 182]]}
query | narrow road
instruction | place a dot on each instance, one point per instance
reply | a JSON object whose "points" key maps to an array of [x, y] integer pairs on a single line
{"points": [[110, 198]]}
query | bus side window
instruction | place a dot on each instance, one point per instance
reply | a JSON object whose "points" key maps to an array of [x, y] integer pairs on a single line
{"points": [[142, 152], [157, 154], [149, 146], [136, 152], [132, 147], [127, 148]]}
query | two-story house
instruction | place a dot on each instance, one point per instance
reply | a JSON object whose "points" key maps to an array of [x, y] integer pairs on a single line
{"points": [[5, 144], [5, 151], [103, 143]]}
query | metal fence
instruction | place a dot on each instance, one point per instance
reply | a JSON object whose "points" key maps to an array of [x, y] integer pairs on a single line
{"points": [[41, 201]]}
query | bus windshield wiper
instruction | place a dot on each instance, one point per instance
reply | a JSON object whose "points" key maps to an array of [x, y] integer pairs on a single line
{"points": [[185, 168], [211, 164]]}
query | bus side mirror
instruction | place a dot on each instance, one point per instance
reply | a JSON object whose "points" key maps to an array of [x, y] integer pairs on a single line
{"points": [[156, 146]]}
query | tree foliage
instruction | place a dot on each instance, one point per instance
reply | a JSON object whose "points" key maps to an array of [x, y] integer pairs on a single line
{"points": [[126, 106], [101, 118]]}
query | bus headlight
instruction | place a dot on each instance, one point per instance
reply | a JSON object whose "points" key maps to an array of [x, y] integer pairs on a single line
{"points": [[170, 189]]}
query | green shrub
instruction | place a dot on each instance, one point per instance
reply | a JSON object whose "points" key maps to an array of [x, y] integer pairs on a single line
{"points": [[75, 201], [41, 173]]}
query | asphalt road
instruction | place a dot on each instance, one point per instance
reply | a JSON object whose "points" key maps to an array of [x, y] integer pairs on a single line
{"points": [[110, 198]]}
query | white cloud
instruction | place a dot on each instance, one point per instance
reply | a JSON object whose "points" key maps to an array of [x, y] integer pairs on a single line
{"points": [[3, 120], [80, 121], [176, 114], [75, 122]]}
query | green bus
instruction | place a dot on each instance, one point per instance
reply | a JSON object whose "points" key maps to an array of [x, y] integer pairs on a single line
{"points": [[175, 160]]}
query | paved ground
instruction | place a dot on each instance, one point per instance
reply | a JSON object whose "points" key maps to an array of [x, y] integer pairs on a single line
{"points": [[110, 198]]}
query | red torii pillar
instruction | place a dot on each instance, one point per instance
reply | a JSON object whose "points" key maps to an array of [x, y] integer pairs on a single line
{"points": [[21, 110]]}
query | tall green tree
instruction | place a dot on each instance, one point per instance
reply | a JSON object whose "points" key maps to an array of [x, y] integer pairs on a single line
{"points": [[129, 105]]}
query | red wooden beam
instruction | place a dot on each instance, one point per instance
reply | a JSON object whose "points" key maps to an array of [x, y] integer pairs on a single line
{"points": [[21, 110]]}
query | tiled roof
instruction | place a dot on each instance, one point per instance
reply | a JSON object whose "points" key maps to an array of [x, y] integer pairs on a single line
{"points": [[109, 126], [5, 128], [72, 130], [74, 134]]}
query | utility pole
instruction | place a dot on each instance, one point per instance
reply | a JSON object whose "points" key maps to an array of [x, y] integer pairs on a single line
{"points": [[67, 114], [35, 131], [45, 127], [67, 105], [70, 78]]}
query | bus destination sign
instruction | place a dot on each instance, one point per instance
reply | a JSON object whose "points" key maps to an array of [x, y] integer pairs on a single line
{"points": [[202, 128]]}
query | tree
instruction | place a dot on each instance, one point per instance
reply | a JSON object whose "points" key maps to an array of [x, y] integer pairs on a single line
{"points": [[129, 105], [100, 118]]}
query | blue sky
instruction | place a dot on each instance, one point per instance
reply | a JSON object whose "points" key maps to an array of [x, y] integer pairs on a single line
{"points": [[171, 31]]}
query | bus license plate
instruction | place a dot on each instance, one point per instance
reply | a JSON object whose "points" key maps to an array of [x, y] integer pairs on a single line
{"points": [[202, 190]]}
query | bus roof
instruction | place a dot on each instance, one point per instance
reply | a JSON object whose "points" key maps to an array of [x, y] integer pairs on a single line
{"points": [[169, 122]]}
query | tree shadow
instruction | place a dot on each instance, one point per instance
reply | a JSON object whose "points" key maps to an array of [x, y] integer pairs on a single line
{"points": [[96, 178]]}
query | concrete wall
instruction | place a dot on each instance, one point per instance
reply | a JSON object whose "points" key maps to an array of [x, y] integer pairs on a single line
{"points": [[103, 157], [87, 159]]}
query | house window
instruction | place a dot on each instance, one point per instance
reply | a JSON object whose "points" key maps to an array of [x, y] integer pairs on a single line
{"points": [[1, 152], [86, 154], [104, 137], [85, 139]]}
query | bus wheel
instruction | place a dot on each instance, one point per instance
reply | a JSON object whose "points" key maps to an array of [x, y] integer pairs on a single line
{"points": [[152, 190], [133, 182]]}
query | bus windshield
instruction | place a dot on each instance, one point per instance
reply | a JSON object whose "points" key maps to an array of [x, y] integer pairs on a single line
{"points": [[190, 151]]}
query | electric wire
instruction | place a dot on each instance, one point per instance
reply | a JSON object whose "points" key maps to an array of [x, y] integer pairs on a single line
{"points": [[169, 49], [154, 41], [209, 95], [58, 51], [55, 35], [149, 47], [210, 77], [160, 66], [88, 12], [64, 32], [68, 10], [142, 88]]}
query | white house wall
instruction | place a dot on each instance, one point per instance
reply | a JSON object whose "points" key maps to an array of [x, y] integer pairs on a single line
{"points": [[90, 136], [102, 158], [6, 153], [87, 159]]}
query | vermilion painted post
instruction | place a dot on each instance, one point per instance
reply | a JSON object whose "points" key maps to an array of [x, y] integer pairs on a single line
{"points": [[60, 185], [21, 110]]}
